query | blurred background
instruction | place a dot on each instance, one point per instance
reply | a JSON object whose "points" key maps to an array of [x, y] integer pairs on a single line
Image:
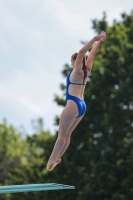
{"points": [[37, 39]]}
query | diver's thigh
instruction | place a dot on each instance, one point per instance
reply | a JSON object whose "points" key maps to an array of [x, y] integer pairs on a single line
{"points": [[74, 125], [70, 109], [67, 117]]}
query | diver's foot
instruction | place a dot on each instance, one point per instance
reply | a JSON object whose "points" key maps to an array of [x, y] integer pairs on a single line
{"points": [[52, 163]]}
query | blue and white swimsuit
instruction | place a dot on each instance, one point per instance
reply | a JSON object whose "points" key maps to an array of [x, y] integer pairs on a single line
{"points": [[79, 102]]}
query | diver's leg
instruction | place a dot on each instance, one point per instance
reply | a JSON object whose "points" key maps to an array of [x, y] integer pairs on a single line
{"points": [[67, 118], [68, 135]]}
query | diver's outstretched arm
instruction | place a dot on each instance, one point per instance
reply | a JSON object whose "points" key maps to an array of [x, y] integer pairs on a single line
{"points": [[93, 52], [84, 49]]}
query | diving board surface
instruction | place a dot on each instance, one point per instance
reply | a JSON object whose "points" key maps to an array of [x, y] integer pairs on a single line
{"points": [[33, 187]]}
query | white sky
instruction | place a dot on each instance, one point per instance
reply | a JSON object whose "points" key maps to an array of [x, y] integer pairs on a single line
{"points": [[37, 37]]}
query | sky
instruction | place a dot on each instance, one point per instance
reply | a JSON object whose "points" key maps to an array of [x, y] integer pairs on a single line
{"points": [[37, 38]]}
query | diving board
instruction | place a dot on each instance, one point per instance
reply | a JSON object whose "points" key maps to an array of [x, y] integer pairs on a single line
{"points": [[33, 187]]}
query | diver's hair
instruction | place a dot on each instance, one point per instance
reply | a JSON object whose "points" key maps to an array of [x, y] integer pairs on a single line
{"points": [[74, 56]]}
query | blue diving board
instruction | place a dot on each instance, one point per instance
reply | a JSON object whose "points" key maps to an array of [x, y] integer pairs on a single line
{"points": [[33, 187]]}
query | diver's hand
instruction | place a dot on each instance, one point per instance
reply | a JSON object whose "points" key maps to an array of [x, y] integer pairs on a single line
{"points": [[100, 37]]}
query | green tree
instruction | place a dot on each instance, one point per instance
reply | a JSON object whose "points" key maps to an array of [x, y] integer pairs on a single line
{"points": [[12, 149], [10, 140]]}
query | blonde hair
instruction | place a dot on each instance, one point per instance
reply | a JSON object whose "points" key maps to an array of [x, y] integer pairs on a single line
{"points": [[74, 56]]}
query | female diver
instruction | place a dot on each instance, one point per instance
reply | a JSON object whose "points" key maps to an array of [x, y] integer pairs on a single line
{"points": [[75, 108]]}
